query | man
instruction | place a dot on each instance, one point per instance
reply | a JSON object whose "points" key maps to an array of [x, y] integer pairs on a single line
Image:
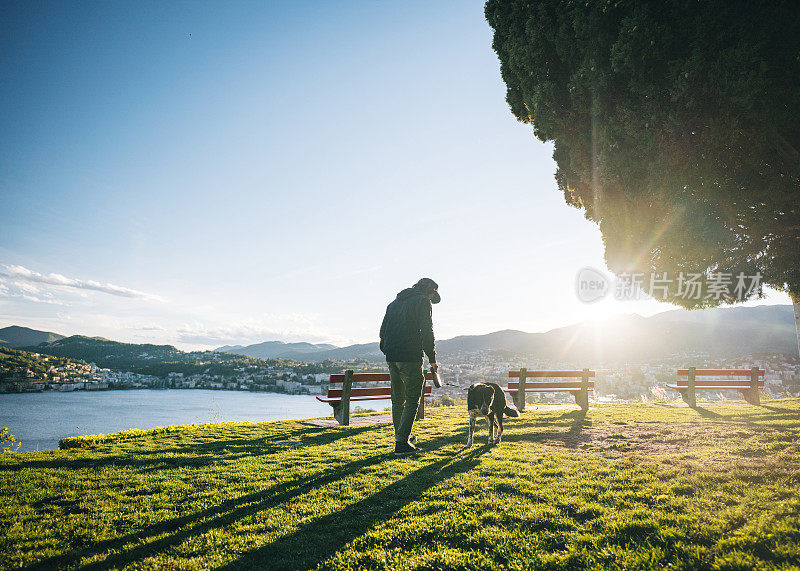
{"points": [[407, 332]]}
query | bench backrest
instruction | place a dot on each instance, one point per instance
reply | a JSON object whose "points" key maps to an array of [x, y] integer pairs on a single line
{"points": [[702, 380], [368, 377], [532, 383], [336, 380]]}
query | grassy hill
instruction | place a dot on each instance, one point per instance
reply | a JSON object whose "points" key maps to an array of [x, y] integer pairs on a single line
{"points": [[622, 486]]}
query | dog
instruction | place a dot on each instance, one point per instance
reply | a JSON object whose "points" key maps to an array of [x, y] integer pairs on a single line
{"points": [[489, 400]]}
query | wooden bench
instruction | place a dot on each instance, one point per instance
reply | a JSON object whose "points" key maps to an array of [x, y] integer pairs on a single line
{"points": [[341, 392], [749, 387], [579, 383]]}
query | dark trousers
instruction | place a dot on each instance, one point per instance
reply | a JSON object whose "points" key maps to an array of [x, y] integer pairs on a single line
{"points": [[407, 380]]}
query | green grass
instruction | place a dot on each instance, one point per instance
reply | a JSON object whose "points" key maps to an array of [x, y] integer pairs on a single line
{"points": [[622, 486]]}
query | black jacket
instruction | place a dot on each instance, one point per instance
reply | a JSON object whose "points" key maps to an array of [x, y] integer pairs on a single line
{"points": [[407, 328]]}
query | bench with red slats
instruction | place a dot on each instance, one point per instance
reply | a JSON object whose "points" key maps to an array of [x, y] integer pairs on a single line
{"points": [[341, 392], [747, 381], [579, 387]]}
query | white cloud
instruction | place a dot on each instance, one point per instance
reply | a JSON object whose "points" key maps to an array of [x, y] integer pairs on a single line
{"points": [[27, 292], [23, 279]]}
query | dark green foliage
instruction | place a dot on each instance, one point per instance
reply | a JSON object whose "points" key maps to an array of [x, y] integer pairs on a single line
{"points": [[15, 363], [8, 442], [676, 126]]}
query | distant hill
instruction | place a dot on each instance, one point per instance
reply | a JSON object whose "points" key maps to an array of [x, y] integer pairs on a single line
{"points": [[719, 332], [160, 360], [106, 353], [782, 315], [228, 348], [16, 336], [279, 350]]}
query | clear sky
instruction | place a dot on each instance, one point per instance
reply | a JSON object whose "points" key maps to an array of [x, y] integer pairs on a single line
{"points": [[232, 172]]}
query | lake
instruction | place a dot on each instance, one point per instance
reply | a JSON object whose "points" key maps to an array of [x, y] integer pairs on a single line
{"points": [[40, 420]]}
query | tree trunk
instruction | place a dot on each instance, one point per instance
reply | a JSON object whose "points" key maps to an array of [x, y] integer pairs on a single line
{"points": [[796, 302]]}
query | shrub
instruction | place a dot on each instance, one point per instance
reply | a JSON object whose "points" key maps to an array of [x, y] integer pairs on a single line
{"points": [[8, 443]]}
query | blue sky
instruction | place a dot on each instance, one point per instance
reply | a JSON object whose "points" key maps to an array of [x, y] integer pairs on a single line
{"points": [[231, 172]]}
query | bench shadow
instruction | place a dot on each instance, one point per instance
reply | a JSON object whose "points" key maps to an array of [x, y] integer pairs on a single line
{"points": [[197, 454], [706, 413], [779, 409], [119, 461], [759, 425], [258, 444]]}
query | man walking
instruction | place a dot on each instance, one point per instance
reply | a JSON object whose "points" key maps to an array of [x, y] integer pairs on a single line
{"points": [[407, 332]]}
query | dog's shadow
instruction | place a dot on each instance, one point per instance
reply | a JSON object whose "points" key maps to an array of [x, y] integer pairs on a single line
{"points": [[573, 421]]}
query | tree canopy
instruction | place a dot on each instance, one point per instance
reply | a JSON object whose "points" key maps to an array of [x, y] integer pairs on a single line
{"points": [[676, 128]]}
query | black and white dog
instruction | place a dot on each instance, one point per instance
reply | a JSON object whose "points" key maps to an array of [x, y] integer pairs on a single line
{"points": [[489, 400]]}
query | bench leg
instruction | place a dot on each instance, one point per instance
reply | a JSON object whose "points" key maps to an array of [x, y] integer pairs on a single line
{"points": [[342, 414], [519, 400], [689, 395], [582, 399], [341, 410], [338, 414], [751, 396]]}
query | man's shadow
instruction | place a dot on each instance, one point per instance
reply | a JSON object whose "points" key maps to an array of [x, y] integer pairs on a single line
{"points": [[319, 539]]}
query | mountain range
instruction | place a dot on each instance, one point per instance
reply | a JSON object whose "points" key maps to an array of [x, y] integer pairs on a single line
{"points": [[718, 332]]}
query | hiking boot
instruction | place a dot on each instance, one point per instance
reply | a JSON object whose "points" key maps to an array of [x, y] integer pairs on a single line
{"points": [[405, 449]]}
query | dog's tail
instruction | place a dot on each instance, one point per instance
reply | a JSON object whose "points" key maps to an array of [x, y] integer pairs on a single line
{"points": [[511, 411]]}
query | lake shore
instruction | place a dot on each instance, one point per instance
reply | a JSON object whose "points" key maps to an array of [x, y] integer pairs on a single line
{"points": [[40, 420]]}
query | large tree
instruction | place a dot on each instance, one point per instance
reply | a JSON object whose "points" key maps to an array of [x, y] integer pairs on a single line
{"points": [[676, 128]]}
